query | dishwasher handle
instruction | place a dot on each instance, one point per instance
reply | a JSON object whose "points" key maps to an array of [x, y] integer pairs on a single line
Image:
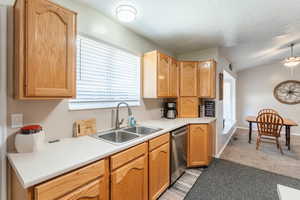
{"points": [[179, 132]]}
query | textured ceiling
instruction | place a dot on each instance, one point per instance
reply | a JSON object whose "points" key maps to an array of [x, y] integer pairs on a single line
{"points": [[248, 32]]}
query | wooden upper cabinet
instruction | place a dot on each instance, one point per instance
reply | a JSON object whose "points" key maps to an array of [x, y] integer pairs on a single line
{"points": [[159, 75], [207, 79], [199, 145], [188, 107], [45, 50], [188, 79], [163, 75], [174, 78]]}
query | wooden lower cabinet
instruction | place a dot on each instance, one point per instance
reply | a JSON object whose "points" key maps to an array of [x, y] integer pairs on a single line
{"points": [[87, 183], [159, 170], [200, 146], [141, 172], [130, 181]]}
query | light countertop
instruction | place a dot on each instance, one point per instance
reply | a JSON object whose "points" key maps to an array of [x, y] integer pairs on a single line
{"points": [[71, 153]]}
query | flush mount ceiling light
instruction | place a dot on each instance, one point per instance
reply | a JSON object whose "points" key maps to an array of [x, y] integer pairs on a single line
{"points": [[292, 61], [126, 13]]}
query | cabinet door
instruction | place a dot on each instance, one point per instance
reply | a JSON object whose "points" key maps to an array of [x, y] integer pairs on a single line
{"points": [[92, 191], [159, 171], [188, 107], [163, 75], [188, 79], [131, 180], [199, 145], [51, 50], [207, 79], [174, 82]]}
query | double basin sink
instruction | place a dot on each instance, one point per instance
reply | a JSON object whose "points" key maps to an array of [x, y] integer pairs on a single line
{"points": [[125, 134]]}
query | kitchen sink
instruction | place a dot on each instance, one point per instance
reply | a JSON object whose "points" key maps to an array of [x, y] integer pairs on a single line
{"points": [[124, 135], [117, 136], [141, 130]]}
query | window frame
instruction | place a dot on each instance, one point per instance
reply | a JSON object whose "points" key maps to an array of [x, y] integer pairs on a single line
{"points": [[75, 104], [226, 129]]}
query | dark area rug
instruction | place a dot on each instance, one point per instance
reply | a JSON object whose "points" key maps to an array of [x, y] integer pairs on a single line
{"points": [[225, 180]]}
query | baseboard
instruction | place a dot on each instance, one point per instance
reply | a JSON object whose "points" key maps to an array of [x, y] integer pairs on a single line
{"points": [[255, 129], [218, 155], [241, 127]]}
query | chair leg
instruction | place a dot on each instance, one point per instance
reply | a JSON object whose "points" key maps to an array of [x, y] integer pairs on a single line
{"points": [[257, 142], [279, 146], [277, 143]]}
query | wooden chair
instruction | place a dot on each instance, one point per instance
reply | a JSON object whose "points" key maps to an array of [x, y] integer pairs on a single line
{"points": [[268, 110], [269, 127]]}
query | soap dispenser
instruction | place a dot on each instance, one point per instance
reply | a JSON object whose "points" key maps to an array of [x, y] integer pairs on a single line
{"points": [[131, 121]]}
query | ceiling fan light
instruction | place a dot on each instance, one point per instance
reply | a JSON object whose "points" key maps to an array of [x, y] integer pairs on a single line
{"points": [[292, 61], [126, 13]]}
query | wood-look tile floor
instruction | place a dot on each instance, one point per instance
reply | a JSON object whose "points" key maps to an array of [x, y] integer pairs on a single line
{"points": [[181, 187], [268, 157]]}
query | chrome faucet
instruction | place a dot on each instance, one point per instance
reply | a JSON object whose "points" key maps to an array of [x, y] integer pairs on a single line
{"points": [[118, 122]]}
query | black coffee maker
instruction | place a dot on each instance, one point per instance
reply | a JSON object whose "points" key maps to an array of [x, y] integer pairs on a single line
{"points": [[170, 111]]}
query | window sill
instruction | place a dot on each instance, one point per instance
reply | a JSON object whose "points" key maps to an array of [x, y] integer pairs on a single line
{"points": [[96, 105]]}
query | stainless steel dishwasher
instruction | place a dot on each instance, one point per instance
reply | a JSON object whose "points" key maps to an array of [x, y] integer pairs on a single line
{"points": [[178, 155]]}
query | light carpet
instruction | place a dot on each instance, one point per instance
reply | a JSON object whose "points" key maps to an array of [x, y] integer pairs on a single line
{"points": [[268, 157]]}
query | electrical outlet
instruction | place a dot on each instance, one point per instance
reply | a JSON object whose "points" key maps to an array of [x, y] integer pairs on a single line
{"points": [[17, 120]]}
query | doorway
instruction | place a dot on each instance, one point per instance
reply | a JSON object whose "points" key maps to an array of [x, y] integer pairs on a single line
{"points": [[229, 102]]}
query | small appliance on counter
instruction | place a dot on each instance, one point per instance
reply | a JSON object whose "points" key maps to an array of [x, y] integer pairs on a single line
{"points": [[30, 139], [209, 108], [170, 111]]}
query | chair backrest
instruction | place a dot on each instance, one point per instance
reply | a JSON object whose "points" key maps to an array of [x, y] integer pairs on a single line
{"points": [[268, 110], [269, 124]]}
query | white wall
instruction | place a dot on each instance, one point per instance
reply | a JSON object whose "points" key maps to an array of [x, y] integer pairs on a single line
{"points": [[222, 64], [211, 53], [54, 115], [93, 23], [255, 91], [3, 133]]}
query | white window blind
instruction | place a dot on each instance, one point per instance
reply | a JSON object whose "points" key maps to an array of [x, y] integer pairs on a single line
{"points": [[106, 75]]}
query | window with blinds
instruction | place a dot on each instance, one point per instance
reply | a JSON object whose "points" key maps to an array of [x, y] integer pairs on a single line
{"points": [[106, 75]]}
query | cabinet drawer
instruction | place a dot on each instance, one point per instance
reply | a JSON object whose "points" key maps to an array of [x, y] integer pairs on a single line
{"points": [[89, 191], [157, 142], [128, 155], [64, 184]]}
